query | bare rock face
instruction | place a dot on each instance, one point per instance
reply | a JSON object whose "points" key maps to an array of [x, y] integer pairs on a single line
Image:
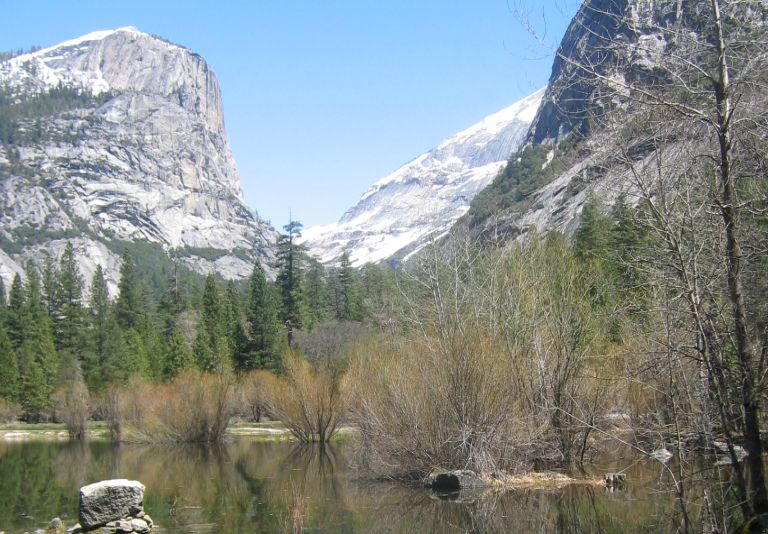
{"points": [[140, 154], [626, 43], [109, 500], [612, 56]]}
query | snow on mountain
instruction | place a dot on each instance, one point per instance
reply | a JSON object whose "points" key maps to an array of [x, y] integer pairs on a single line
{"points": [[404, 211], [142, 155]]}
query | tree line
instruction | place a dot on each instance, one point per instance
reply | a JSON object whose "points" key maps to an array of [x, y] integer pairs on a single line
{"points": [[53, 331]]}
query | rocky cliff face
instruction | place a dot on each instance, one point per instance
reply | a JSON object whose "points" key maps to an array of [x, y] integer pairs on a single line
{"points": [[419, 202], [614, 56], [136, 151]]}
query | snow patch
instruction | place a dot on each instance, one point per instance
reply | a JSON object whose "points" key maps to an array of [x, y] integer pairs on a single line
{"points": [[421, 200]]}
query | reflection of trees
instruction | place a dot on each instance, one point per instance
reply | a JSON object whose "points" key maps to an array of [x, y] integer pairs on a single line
{"points": [[273, 487], [304, 490], [27, 494], [71, 459]]}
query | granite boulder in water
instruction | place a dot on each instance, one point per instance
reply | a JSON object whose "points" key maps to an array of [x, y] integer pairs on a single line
{"points": [[109, 500]]}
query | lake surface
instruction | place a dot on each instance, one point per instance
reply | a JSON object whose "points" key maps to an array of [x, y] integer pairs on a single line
{"points": [[250, 486]]}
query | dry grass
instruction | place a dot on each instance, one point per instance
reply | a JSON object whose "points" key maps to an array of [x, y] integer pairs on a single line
{"points": [[541, 480]]}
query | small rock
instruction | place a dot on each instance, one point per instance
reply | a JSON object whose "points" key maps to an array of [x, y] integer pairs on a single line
{"points": [[148, 520], [614, 480], [75, 529], [56, 525], [662, 455], [139, 525], [124, 526], [722, 448], [454, 480], [139, 514]]}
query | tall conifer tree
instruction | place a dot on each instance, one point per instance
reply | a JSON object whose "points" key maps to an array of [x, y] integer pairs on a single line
{"points": [[259, 347], [290, 279], [9, 369]]}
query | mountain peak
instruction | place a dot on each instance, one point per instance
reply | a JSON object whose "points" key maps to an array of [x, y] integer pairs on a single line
{"points": [[403, 211], [98, 35], [137, 152]]}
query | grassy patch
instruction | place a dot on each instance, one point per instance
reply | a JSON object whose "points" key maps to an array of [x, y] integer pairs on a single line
{"points": [[44, 431]]}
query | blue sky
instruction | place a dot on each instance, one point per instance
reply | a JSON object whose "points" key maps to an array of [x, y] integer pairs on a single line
{"points": [[324, 97]]}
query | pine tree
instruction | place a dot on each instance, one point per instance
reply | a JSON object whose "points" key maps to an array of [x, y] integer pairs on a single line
{"points": [[70, 313], [136, 359], [15, 312], [99, 312], [35, 393], [627, 237], [319, 298], [173, 301], [290, 279], [232, 312], [592, 239], [258, 347], [213, 313], [127, 307], [32, 289], [202, 351], [112, 367], [50, 289], [9, 369], [38, 341], [351, 305], [177, 357], [3, 304]]}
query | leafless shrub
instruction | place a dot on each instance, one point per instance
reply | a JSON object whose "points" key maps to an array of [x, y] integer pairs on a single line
{"points": [[419, 408], [254, 394], [193, 408], [328, 340], [308, 397], [500, 363], [72, 407], [9, 412]]}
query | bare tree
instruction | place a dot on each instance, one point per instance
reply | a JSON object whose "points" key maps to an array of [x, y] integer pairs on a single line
{"points": [[683, 78]]}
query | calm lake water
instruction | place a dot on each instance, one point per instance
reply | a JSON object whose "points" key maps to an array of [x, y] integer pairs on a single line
{"points": [[247, 486]]}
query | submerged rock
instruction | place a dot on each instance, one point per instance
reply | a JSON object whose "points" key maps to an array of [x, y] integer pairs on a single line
{"points": [[109, 500], [723, 455], [662, 455], [615, 480], [454, 480]]}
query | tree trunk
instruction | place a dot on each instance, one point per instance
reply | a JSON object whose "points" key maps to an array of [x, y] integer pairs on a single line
{"points": [[743, 345]]}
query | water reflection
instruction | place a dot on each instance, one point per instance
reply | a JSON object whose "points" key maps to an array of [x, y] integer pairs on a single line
{"points": [[281, 487]]}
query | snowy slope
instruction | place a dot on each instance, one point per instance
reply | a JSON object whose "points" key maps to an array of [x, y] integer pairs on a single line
{"points": [[402, 212]]}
